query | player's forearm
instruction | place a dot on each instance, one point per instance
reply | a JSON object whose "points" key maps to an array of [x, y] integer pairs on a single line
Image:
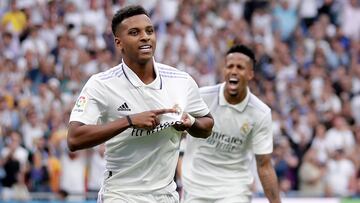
{"points": [[270, 185], [268, 180], [202, 127], [82, 136]]}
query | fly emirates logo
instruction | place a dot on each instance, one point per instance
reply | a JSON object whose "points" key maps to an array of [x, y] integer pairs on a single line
{"points": [[142, 132], [224, 142]]}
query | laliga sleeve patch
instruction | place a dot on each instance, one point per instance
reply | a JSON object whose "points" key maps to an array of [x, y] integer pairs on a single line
{"points": [[80, 104]]}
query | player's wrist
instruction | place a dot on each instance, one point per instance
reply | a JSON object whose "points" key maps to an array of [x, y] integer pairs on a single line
{"points": [[192, 119], [130, 123]]}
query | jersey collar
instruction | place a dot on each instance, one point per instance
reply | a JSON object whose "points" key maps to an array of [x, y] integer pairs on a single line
{"points": [[240, 106], [135, 80]]}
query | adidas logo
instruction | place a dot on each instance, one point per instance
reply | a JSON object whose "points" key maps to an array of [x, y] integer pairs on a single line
{"points": [[124, 107]]}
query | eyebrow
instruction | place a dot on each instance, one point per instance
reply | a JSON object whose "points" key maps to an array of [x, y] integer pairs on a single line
{"points": [[149, 26]]}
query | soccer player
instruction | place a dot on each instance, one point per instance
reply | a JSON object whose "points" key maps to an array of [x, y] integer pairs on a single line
{"points": [[218, 169], [139, 108]]}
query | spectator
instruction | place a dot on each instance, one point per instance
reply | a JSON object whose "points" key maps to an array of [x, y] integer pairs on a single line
{"points": [[14, 159], [32, 129], [20, 190], [285, 163], [10, 45], [354, 155], [72, 18], [14, 20], [307, 12], [285, 19], [308, 70], [97, 167], [35, 43], [328, 100], [39, 174], [54, 170], [351, 19], [311, 175], [340, 174], [73, 175], [340, 136], [94, 17], [319, 144]]}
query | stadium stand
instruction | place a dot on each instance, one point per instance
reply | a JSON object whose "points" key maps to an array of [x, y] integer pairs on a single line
{"points": [[308, 72]]}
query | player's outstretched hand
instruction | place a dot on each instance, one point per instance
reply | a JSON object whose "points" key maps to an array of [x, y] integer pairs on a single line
{"points": [[149, 119], [184, 124]]}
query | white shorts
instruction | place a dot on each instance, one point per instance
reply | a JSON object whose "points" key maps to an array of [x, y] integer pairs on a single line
{"points": [[166, 195], [190, 198]]}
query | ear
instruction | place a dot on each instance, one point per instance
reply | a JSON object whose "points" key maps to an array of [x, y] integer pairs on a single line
{"points": [[118, 42], [251, 74]]}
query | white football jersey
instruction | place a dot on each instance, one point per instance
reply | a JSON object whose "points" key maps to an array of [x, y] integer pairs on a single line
{"points": [[219, 166], [139, 160]]}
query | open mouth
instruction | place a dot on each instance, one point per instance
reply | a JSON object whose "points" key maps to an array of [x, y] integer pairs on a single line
{"points": [[145, 48], [233, 84], [233, 81]]}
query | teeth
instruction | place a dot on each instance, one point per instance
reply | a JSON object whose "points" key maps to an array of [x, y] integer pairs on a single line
{"points": [[233, 80], [145, 47]]}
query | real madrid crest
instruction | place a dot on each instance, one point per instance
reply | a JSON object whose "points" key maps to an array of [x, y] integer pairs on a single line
{"points": [[245, 128]]}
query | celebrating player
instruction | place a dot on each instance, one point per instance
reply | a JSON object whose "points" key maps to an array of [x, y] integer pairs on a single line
{"points": [[217, 169], [139, 108]]}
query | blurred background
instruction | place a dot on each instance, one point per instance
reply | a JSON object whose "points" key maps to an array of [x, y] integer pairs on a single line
{"points": [[308, 72]]}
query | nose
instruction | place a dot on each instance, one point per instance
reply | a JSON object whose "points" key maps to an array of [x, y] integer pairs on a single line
{"points": [[233, 71], [144, 36]]}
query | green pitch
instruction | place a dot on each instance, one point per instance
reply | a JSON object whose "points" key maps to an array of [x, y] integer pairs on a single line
{"points": [[350, 201]]}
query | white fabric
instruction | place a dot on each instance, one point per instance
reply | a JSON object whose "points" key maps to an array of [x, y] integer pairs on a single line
{"points": [[221, 163], [192, 119], [320, 145], [31, 134], [95, 19], [350, 20], [166, 195], [73, 175], [35, 45], [140, 160], [76, 19], [20, 155], [339, 139], [169, 9], [97, 168], [355, 106], [308, 9], [189, 198], [338, 176]]}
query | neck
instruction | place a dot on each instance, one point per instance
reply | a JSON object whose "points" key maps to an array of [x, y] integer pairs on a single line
{"points": [[145, 71], [235, 99]]}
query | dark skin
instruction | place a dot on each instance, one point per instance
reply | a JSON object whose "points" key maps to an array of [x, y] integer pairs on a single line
{"points": [[132, 36], [135, 37], [238, 72], [268, 177], [238, 67]]}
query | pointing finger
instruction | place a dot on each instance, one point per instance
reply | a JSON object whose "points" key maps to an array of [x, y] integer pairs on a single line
{"points": [[163, 111], [157, 121]]}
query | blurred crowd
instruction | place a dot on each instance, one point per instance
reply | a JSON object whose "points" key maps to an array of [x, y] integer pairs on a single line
{"points": [[308, 72]]}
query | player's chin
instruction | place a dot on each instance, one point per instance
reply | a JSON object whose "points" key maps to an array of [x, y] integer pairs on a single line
{"points": [[146, 55], [233, 93], [143, 59]]}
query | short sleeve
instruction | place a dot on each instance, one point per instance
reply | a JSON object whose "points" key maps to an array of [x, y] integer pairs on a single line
{"points": [[262, 137], [91, 103], [195, 105]]}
